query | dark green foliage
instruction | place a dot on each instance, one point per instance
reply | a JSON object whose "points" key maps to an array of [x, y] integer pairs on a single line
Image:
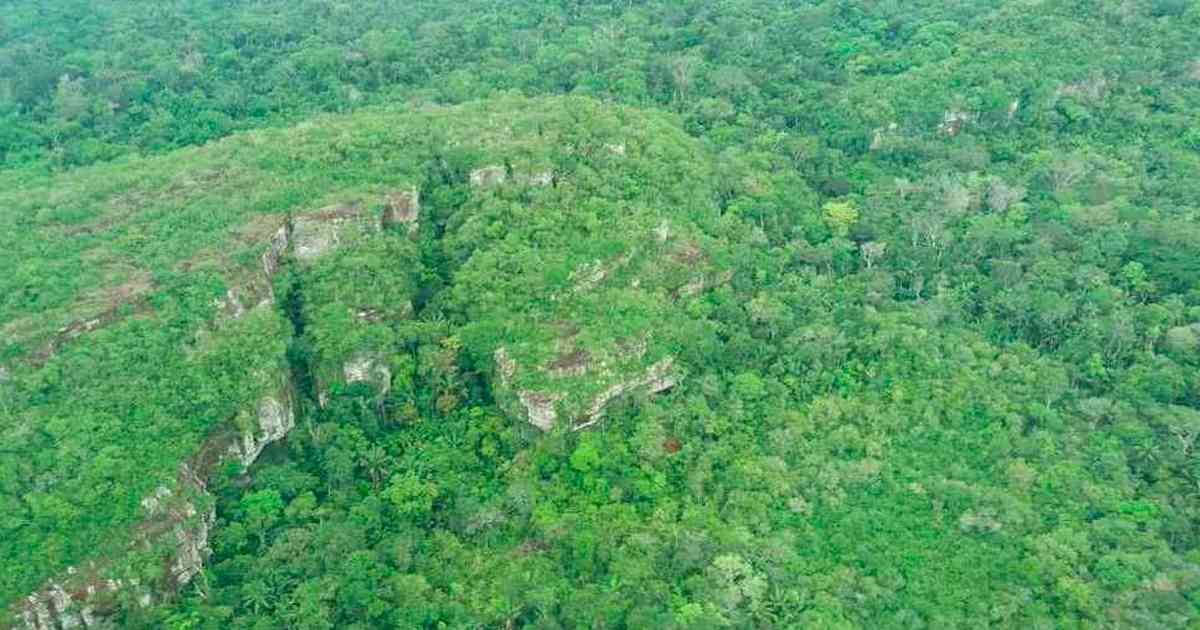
{"points": [[927, 273]]}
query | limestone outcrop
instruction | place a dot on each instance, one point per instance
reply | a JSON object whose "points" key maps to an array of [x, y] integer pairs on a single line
{"points": [[953, 121], [541, 408], [488, 176], [370, 368], [571, 371], [254, 288], [315, 234], [659, 377], [178, 520], [272, 420], [536, 178], [403, 209]]}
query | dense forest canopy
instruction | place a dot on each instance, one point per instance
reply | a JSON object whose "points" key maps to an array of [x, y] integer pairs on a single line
{"points": [[565, 314]]}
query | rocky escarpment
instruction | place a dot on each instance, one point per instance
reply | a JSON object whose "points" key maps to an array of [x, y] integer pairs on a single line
{"points": [[177, 520], [356, 295], [403, 209], [582, 365], [368, 368], [176, 528], [578, 198], [492, 176], [541, 408]]}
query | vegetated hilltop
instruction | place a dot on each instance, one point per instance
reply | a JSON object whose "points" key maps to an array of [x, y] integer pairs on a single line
{"points": [[904, 331], [156, 297]]}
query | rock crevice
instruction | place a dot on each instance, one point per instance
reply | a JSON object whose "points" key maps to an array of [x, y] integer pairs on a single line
{"points": [[180, 518]]}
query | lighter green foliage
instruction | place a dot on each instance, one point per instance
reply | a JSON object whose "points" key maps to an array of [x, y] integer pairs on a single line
{"points": [[840, 216]]}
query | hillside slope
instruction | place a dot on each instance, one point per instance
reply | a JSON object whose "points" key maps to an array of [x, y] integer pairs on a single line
{"points": [[157, 297]]}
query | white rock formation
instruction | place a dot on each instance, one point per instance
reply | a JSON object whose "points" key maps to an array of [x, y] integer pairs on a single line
{"points": [[318, 233], [368, 368], [192, 547], [538, 179], [540, 408], [488, 176], [314, 238], [403, 209], [275, 248], [657, 378], [275, 419], [953, 122], [64, 603]]}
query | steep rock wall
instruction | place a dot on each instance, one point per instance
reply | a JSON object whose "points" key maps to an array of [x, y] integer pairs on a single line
{"points": [[179, 520]]}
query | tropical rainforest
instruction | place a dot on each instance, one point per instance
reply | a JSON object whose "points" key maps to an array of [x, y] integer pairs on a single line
{"points": [[599, 314]]}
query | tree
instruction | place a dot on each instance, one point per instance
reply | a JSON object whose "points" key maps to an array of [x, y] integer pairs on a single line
{"points": [[840, 216], [262, 508]]}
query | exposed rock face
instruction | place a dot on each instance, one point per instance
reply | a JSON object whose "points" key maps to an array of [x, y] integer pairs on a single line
{"points": [[82, 599], [192, 548], [316, 234], [275, 418], [80, 327], [275, 248], [255, 289], [172, 517], [953, 122], [403, 209], [541, 407], [1093, 88], [538, 179], [657, 378], [55, 609], [368, 368], [569, 377], [573, 363], [488, 176], [591, 275], [314, 238], [701, 283], [189, 527], [506, 367]]}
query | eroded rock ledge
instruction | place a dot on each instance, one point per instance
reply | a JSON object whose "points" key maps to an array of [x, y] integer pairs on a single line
{"points": [[179, 519], [541, 407]]}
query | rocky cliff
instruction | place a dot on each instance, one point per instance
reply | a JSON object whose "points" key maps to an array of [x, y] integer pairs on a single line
{"points": [[178, 520], [576, 251]]}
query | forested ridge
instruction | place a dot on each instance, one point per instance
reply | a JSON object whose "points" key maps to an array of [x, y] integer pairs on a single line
{"points": [[639, 314]]}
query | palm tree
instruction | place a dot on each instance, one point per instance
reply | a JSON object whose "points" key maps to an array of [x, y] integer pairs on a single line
{"points": [[256, 595], [376, 462]]}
